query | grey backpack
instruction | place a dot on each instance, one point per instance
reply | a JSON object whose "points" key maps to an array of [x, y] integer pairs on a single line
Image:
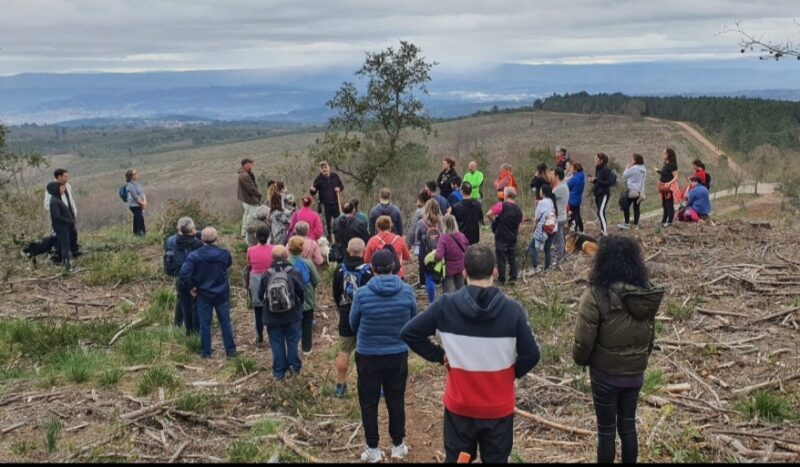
{"points": [[280, 291]]}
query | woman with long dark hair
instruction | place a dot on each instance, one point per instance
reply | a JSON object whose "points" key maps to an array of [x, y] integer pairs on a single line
{"points": [[539, 180], [668, 186], [634, 176], [614, 336], [445, 179], [546, 222], [602, 188]]}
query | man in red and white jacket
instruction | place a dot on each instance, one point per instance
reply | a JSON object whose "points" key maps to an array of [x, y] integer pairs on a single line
{"points": [[486, 343]]}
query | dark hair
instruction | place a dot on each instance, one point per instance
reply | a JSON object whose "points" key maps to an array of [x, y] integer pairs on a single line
{"points": [[577, 167], [450, 162], [270, 183], [247, 161], [307, 200], [129, 175], [262, 234], [559, 173], [456, 181], [53, 188], [603, 158], [619, 259], [348, 208], [431, 185], [699, 163], [59, 172], [424, 196], [672, 158], [479, 262], [547, 192], [354, 202], [638, 159], [279, 185], [466, 188], [541, 169], [276, 202]]}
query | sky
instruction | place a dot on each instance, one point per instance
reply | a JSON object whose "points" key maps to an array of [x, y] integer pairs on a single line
{"points": [[462, 35]]}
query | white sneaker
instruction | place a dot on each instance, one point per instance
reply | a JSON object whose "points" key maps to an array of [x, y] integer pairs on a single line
{"points": [[399, 452], [372, 456], [666, 224], [624, 226], [306, 354]]}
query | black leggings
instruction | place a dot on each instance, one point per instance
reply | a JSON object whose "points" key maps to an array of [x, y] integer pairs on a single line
{"points": [[626, 210], [576, 215], [308, 330], [668, 206], [602, 204], [616, 412], [258, 311]]}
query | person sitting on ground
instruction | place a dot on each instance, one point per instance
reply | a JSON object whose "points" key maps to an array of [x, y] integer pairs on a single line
{"points": [[177, 248], [310, 248], [506, 218], [386, 208], [283, 294], [539, 180], [262, 219], [475, 178], [634, 175], [486, 343], [259, 258], [378, 313], [614, 336], [385, 239], [429, 229], [205, 275], [546, 222], [278, 221], [61, 221], [351, 275], [451, 249], [311, 279], [445, 179], [307, 214], [504, 180], [576, 184], [444, 205], [455, 196], [698, 202], [469, 215], [411, 234]]}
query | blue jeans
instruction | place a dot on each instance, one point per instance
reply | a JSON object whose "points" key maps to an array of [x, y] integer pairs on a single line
{"points": [[223, 307], [430, 285], [283, 340], [547, 252]]}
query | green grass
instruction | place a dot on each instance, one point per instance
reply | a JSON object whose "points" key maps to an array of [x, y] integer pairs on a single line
{"points": [[118, 267], [264, 427], [52, 430], [653, 380], [38, 339], [246, 452], [199, 402], [243, 366], [157, 377], [516, 458], [110, 377], [767, 406], [78, 365], [162, 307], [544, 318], [22, 447], [679, 312], [14, 374], [551, 353], [138, 347]]}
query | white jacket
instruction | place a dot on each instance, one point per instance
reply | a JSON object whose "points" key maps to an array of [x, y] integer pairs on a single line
{"points": [[71, 202]]}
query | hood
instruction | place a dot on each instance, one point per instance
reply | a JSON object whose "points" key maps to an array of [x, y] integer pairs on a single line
{"points": [[638, 168], [386, 285], [53, 188], [476, 303], [640, 303]]}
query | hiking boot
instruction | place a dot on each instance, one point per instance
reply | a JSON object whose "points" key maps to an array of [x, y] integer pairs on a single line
{"points": [[231, 354], [399, 452], [341, 390], [623, 226], [372, 455]]}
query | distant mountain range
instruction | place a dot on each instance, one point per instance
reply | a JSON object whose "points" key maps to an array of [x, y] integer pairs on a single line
{"points": [[293, 96]]}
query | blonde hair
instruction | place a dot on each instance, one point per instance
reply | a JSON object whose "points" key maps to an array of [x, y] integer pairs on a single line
{"points": [[295, 245], [433, 214], [450, 224]]}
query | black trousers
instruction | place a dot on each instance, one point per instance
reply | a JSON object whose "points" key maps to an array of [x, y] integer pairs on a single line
{"points": [[602, 204], [186, 310], [63, 239], [73, 239], [308, 327], [616, 412], [258, 311], [138, 221], [668, 207], [495, 438], [627, 203], [506, 253], [576, 215], [389, 372], [331, 212]]}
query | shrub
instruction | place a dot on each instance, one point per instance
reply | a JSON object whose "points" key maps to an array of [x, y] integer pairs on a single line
{"points": [[768, 406], [191, 207], [108, 269], [78, 365]]}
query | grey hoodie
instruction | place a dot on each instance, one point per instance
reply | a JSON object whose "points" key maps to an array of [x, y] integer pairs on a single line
{"points": [[634, 178]]}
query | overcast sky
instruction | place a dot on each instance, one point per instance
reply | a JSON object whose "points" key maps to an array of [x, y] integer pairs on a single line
{"points": [[137, 35]]}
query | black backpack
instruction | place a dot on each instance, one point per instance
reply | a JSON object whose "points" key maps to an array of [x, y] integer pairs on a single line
{"points": [[390, 248]]}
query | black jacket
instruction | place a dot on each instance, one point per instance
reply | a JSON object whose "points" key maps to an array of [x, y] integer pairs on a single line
{"points": [[468, 214], [347, 228], [444, 182], [325, 189], [338, 291], [536, 185], [60, 214], [602, 181], [506, 225]]}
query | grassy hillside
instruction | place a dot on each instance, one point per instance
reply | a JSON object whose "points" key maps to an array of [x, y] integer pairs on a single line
{"points": [[209, 172]]}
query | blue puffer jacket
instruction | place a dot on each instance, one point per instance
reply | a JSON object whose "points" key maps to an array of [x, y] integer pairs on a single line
{"points": [[379, 311], [207, 269], [576, 184]]}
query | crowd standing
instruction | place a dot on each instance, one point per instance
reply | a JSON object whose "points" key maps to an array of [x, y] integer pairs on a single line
{"points": [[484, 338]]}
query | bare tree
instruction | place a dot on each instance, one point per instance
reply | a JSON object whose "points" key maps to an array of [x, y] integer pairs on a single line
{"points": [[768, 49]]}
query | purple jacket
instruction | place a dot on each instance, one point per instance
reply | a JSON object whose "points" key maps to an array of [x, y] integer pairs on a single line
{"points": [[452, 248]]}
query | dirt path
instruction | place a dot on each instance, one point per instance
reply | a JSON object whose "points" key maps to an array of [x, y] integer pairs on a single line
{"points": [[763, 189], [701, 138]]}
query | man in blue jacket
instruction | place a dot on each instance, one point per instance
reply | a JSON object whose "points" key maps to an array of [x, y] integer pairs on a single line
{"points": [[386, 208], [379, 311], [205, 275], [177, 248]]}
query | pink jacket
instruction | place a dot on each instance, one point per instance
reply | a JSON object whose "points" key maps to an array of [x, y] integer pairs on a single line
{"points": [[307, 215], [311, 252]]}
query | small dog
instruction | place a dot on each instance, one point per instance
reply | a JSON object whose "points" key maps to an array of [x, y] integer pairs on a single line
{"points": [[580, 242]]}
